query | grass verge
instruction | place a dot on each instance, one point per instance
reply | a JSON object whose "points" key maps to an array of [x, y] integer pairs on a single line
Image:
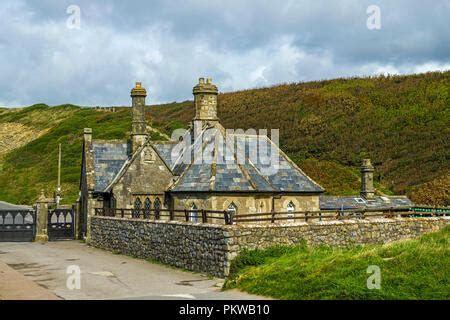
{"points": [[410, 269]]}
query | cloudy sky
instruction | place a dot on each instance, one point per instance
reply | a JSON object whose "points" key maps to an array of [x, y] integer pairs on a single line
{"points": [[241, 44]]}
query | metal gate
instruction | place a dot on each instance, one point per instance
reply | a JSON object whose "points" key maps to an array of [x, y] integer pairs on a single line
{"points": [[17, 225], [61, 224]]}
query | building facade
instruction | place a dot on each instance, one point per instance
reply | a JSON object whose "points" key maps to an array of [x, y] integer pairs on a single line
{"points": [[207, 167]]}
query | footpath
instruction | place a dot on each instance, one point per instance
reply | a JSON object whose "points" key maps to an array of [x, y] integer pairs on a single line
{"points": [[15, 286]]}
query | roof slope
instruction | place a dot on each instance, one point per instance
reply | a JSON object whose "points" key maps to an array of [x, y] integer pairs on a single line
{"points": [[238, 165], [357, 202], [164, 149], [109, 157]]}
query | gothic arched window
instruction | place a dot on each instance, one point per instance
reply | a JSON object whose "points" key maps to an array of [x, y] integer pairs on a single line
{"points": [[147, 208], [194, 213], [157, 206], [290, 211], [232, 210], [137, 207]]}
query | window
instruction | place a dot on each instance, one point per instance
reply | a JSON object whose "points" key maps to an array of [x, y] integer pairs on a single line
{"points": [[157, 206], [137, 207], [232, 210], [147, 208], [194, 213], [261, 207], [112, 201], [290, 212]]}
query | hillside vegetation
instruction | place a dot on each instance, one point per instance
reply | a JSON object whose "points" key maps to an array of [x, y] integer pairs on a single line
{"points": [[327, 127], [413, 269]]}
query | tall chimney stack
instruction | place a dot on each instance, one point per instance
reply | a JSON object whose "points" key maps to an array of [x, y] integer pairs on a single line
{"points": [[138, 126], [205, 101], [367, 189]]}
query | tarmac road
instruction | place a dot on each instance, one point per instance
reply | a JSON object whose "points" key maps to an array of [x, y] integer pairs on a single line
{"points": [[105, 275]]}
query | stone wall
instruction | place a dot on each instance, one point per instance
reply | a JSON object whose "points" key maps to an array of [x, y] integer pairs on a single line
{"points": [[210, 248], [199, 247], [135, 182], [246, 203]]}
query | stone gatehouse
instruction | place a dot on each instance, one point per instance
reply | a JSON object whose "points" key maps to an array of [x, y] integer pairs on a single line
{"points": [[201, 169]]}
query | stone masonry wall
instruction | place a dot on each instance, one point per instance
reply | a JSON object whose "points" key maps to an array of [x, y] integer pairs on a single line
{"points": [[210, 248], [200, 247]]}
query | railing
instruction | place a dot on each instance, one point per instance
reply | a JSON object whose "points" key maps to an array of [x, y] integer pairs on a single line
{"points": [[308, 216], [430, 209], [205, 216], [199, 215]]}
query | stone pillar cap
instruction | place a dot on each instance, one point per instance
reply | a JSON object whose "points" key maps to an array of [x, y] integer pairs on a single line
{"points": [[367, 165], [138, 90], [203, 87], [43, 199]]}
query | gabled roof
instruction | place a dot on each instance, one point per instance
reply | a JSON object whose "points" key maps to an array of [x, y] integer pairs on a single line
{"points": [[356, 202], [223, 167], [218, 165], [109, 157]]}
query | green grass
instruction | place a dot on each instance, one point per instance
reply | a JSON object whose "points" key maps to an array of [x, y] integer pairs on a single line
{"points": [[32, 167], [412, 269]]}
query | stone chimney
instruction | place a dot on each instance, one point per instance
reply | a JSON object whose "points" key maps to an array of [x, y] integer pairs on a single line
{"points": [[367, 189], [205, 101], [89, 158], [138, 126]]}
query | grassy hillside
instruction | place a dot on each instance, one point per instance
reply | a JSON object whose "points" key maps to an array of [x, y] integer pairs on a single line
{"points": [[327, 127], [414, 269]]}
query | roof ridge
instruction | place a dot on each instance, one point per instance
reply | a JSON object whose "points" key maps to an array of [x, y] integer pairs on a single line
{"points": [[126, 164], [256, 169], [191, 162], [244, 172]]}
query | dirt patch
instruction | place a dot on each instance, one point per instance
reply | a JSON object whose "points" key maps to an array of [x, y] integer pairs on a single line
{"points": [[14, 135]]}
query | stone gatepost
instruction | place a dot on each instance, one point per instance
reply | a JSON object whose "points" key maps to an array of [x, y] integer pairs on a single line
{"points": [[92, 204], [42, 207]]}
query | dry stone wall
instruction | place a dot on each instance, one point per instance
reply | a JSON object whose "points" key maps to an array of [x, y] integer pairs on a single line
{"points": [[210, 248]]}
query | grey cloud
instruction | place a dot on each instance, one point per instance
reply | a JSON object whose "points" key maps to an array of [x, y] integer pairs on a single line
{"points": [[241, 44]]}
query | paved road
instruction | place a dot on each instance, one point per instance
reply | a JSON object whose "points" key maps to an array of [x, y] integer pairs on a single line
{"points": [[106, 275], [15, 286]]}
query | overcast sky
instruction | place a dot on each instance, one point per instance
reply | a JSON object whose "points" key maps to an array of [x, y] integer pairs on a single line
{"points": [[240, 44]]}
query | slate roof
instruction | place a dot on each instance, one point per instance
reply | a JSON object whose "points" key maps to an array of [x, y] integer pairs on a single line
{"points": [[109, 157], [9, 206], [356, 202], [225, 168], [165, 152]]}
